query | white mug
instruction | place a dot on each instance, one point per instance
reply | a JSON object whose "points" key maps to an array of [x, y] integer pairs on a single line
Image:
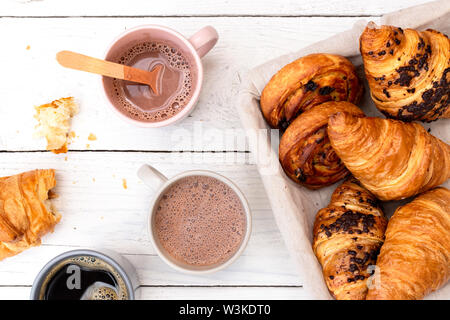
{"points": [[159, 183]]}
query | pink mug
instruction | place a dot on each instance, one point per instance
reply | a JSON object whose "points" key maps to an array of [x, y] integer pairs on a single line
{"points": [[195, 48]]}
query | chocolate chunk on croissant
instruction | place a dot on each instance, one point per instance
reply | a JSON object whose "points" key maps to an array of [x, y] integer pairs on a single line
{"points": [[306, 82], [348, 234], [305, 151], [408, 72]]}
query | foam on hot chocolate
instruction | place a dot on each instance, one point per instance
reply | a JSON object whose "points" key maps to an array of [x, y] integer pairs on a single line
{"points": [[175, 86], [200, 221]]}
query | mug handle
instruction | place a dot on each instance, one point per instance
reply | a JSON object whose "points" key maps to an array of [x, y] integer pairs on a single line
{"points": [[204, 40], [151, 177]]}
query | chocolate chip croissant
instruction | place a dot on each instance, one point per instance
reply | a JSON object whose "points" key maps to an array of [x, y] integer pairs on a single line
{"points": [[305, 152], [415, 257], [25, 212], [408, 72], [391, 158], [306, 82], [348, 234]]}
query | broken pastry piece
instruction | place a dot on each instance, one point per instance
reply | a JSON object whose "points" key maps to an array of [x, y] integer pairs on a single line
{"points": [[26, 212], [54, 122]]}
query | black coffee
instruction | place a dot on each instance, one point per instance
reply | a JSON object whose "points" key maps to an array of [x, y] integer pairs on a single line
{"points": [[84, 277]]}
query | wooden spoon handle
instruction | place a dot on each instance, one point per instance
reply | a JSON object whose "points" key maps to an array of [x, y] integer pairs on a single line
{"points": [[81, 62]]}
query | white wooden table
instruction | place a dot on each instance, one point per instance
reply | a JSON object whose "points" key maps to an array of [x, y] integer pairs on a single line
{"points": [[97, 210]]}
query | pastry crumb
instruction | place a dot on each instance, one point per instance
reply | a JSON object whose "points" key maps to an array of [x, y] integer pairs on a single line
{"points": [[88, 146], [63, 149], [52, 195], [54, 122], [124, 184], [92, 137], [93, 179]]}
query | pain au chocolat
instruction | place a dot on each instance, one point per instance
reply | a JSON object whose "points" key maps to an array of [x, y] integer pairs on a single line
{"points": [[348, 235], [408, 72]]}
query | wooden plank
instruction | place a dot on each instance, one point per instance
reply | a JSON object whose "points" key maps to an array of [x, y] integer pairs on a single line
{"points": [[223, 293], [15, 293], [214, 124], [194, 293], [98, 212], [271, 269], [202, 8], [200, 293]]}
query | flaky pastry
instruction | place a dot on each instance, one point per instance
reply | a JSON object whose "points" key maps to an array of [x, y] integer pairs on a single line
{"points": [[54, 122], [26, 213]]}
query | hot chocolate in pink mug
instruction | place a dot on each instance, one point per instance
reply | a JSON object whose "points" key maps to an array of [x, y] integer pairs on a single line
{"points": [[180, 81]]}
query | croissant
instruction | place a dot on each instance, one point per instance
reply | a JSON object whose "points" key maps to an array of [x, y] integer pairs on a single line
{"points": [[305, 152], [307, 82], [25, 212], [408, 72], [415, 258], [392, 159], [348, 235]]}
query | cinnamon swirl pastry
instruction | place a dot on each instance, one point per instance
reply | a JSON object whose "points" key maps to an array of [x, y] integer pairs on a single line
{"points": [[306, 82], [305, 151], [408, 72]]}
